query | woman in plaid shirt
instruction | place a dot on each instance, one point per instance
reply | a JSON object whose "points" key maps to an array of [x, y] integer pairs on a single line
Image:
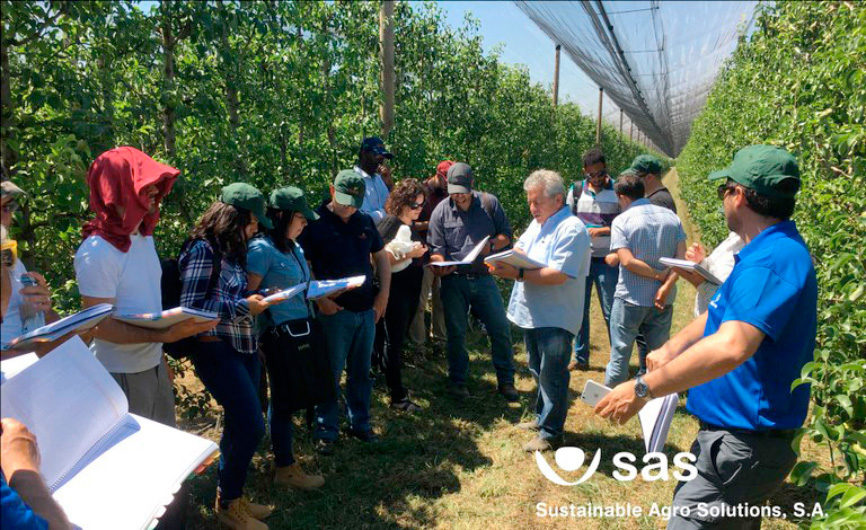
{"points": [[225, 358]]}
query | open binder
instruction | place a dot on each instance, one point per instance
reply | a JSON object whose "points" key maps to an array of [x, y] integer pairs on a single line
{"points": [[655, 421], [78, 322], [167, 318], [107, 468]]}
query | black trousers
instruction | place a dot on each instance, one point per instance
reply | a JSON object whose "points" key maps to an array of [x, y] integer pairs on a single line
{"points": [[391, 330]]}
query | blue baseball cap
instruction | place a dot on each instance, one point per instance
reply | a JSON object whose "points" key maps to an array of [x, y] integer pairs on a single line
{"points": [[375, 145]]}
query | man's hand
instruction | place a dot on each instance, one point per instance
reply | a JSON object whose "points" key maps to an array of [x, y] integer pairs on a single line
{"points": [[18, 448], [380, 304], [612, 259], [187, 328], [620, 404], [597, 231], [696, 253], [504, 270], [662, 294], [658, 358], [328, 307], [36, 297]]}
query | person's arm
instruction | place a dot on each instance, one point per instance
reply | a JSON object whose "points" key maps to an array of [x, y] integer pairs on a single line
{"points": [[543, 276], [692, 333], [503, 228], [639, 267], [436, 242], [667, 286], [599, 231], [383, 270], [19, 458], [118, 332], [196, 278]]}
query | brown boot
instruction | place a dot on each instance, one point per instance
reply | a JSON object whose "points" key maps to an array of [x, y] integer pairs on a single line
{"points": [[294, 477], [259, 511], [236, 516]]}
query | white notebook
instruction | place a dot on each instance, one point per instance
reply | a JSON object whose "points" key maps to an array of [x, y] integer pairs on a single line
{"points": [[690, 266], [166, 318], [515, 259], [655, 421], [107, 468], [317, 289], [80, 322], [467, 260]]}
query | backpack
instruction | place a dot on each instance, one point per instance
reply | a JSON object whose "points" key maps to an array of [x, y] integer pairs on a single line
{"points": [[171, 286], [576, 192]]}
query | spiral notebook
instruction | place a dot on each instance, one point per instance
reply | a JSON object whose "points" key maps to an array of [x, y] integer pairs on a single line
{"points": [[107, 468]]}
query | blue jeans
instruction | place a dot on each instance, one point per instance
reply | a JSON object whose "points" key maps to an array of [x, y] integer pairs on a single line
{"points": [[233, 380], [604, 277], [349, 338], [626, 320], [458, 293], [549, 350]]}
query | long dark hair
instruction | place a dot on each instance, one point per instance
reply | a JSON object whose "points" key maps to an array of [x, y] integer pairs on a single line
{"points": [[281, 220], [222, 225]]}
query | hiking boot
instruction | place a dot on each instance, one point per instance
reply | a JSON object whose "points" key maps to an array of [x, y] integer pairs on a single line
{"points": [[364, 436], [236, 516], [509, 392], [325, 447], [574, 365], [458, 391], [405, 405], [531, 425], [259, 511], [294, 477], [540, 444]]}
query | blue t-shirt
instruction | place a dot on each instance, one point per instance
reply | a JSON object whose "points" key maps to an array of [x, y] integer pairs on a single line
{"points": [[280, 270], [14, 513], [772, 287]]}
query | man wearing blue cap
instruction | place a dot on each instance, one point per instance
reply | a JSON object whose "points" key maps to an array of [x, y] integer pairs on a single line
{"points": [[370, 158], [740, 357]]}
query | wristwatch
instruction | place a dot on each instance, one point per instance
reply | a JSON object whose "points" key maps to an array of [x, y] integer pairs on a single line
{"points": [[520, 274], [641, 389]]}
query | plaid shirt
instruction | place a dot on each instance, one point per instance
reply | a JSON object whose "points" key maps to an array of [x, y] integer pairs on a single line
{"points": [[225, 298]]}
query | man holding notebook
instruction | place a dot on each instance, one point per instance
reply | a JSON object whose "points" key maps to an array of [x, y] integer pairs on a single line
{"points": [[740, 358], [117, 264]]}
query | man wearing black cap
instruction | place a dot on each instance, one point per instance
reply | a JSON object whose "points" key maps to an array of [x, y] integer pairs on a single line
{"points": [[740, 358], [370, 157], [458, 225]]}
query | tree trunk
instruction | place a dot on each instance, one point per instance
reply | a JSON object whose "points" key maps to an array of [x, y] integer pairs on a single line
{"points": [[168, 114], [386, 58]]}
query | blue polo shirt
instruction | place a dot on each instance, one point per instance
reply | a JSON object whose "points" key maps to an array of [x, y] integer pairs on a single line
{"points": [[772, 287]]}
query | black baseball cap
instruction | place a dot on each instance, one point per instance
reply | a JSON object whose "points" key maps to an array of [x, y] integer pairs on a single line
{"points": [[460, 178], [375, 145]]}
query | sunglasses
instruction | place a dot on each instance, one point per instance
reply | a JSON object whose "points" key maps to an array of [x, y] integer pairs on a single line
{"points": [[598, 174], [723, 190], [416, 205], [10, 207]]}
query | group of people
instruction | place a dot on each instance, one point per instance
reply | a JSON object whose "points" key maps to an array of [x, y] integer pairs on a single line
{"points": [[739, 358]]}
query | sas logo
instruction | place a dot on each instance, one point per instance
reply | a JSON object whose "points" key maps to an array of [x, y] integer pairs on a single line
{"points": [[571, 459]]}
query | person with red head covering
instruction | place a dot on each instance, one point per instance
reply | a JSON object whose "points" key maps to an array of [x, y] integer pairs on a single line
{"points": [[117, 263]]}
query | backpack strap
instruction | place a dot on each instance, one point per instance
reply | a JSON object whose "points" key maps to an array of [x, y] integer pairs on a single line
{"points": [[487, 205], [576, 192]]}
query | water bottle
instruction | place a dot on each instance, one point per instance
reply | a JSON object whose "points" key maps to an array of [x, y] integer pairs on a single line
{"points": [[30, 319]]}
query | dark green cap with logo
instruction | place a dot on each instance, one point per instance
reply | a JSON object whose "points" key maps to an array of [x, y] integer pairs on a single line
{"points": [[763, 168], [242, 195], [291, 199], [647, 164], [349, 188]]}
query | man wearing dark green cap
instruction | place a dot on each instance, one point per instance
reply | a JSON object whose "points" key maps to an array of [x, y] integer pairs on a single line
{"points": [[739, 359], [339, 245], [649, 168]]}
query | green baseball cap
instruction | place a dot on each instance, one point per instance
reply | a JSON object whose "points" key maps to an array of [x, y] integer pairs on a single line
{"points": [[762, 168], [647, 164], [291, 199], [349, 188], [242, 195]]}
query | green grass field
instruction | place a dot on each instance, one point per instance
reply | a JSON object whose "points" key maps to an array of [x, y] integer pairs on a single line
{"points": [[460, 464]]}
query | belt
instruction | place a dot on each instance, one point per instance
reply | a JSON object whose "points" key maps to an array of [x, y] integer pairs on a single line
{"points": [[763, 433]]}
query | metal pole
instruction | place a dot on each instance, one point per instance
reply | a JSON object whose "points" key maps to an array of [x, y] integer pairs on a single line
{"points": [[620, 121], [598, 126], [386, 55], [630, 131], [556, 77]]}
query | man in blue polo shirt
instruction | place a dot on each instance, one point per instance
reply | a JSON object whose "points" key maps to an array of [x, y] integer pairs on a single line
{"points": [[740, 357]]}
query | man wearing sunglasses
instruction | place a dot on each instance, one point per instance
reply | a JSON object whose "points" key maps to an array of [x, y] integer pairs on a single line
{"points": [[594, 202]]}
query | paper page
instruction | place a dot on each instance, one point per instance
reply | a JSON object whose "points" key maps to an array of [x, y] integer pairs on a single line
{"points": [[655, 421], [131, 482], [68, 401], [467, 260], [81, 321], [690, 266], [287, 294], [322, 288], [515, 259], [167, 318], [11, 367]]}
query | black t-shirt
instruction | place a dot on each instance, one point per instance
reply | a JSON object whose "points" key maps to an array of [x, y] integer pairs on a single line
{"points": [[662, 197], [338, 249]]}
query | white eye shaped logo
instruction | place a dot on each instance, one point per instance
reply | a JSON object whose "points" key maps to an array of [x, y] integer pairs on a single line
{"points": [[567, 459]]}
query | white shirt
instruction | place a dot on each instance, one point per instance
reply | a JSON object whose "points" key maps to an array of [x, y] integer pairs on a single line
{"points": [[133, 280], [562, 242], [375, 195], [719, 263], [12, 324]]}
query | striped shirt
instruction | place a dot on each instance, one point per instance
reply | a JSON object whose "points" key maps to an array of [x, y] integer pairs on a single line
{"points": [[225, 298], [595, 210], [650, 232]]}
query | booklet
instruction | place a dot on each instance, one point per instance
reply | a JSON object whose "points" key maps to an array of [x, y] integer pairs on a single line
{"points": [[655, 421], [166, 318], [467, 260], [515, 259], [690, 266], [282, 296], [77, 322], [322, 288], [107, 468]]}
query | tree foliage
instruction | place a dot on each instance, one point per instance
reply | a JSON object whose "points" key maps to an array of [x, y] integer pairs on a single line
{"points": [[800, 83]]}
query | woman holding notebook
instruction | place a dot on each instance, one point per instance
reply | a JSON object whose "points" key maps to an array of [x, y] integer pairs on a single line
{"points": [[214, 276], [291, 338]]}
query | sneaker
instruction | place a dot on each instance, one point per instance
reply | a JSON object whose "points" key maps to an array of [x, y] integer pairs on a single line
{"points": [[325, 447], [236, 516], [509, 392], [531, 425], [294, 477], [405, 405], [540, 444], [365, 436], [458, 391]]}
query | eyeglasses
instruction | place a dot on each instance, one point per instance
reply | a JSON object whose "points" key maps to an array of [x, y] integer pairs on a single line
{"points": [[723, 190], [597, 174], [10, 207], [416, 205]]}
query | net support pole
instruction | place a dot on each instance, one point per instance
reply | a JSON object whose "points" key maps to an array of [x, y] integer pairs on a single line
{"points": [[386, 57], [620, 121], [631, 131], [598, 126], [556, 77]]}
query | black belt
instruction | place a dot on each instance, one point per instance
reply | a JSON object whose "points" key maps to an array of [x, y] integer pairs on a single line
{"points": [[763, 433]]}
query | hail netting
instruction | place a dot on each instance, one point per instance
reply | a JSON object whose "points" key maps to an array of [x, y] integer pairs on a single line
{"points": [[656, 60]]}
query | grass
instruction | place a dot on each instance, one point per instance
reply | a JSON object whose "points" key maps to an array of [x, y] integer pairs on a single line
{"points": [[461, 464]]}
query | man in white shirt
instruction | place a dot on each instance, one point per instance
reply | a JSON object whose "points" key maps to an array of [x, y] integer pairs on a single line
{"points": [[370, 157]]}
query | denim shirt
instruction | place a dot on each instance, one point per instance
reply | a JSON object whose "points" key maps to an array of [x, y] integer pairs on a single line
{"points": [[282, 271]]}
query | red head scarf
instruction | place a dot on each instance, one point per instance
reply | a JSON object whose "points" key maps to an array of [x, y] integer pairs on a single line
{"points": [[118, 177]]}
